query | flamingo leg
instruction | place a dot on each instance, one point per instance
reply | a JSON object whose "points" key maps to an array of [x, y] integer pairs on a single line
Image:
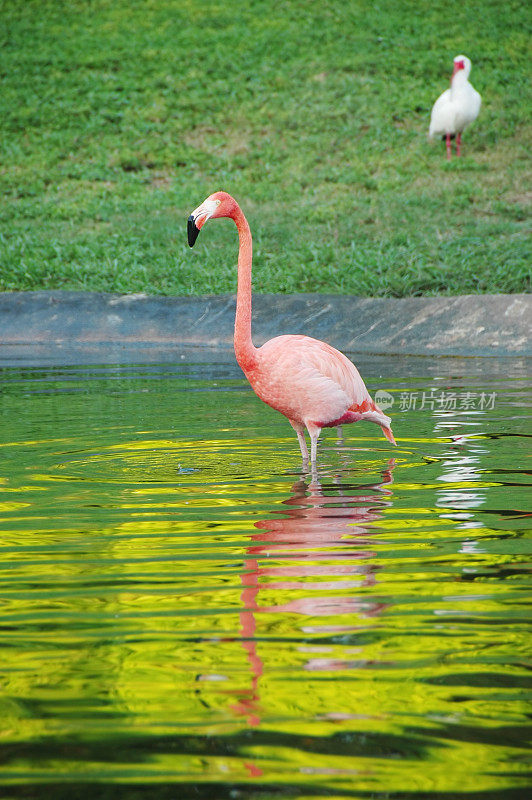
{"points": [[458, 143], [448, 145], [314, 432], [302, 445], [313, 448], [300, 430]]}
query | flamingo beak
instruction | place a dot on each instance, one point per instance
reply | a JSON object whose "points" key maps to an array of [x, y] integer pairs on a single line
{"points": [[192, 231], [198, 218]]}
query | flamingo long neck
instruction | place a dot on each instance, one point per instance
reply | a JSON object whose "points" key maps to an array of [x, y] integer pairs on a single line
{"points": [[245, 351]]}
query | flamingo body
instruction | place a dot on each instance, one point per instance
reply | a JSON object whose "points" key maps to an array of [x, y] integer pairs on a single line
{"points": [[314, 385], [311, 383], [457, 107]]}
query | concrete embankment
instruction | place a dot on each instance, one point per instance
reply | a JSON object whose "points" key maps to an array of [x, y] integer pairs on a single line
{"points": [[468, 325]]}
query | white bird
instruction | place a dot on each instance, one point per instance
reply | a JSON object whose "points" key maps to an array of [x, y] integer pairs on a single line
{"points": [[455, 108]]}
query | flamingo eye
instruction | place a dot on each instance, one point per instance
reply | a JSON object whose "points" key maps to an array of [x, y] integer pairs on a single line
{"points": [[461, 65]]}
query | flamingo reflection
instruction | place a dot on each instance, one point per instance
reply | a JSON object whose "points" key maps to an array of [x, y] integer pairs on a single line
{"points": [[322, 534]]}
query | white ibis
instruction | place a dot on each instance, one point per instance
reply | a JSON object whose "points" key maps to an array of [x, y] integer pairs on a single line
{"points": [[455, 108]]}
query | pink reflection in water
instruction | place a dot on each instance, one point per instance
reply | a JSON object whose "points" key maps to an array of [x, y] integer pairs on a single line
{"points": [[311, 522]]}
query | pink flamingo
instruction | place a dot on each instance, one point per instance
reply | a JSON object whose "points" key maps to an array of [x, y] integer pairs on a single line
{"points": [[311, 383]]}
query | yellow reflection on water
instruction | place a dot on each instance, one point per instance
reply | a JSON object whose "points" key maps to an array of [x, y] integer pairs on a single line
{"points": [[349, 630]]}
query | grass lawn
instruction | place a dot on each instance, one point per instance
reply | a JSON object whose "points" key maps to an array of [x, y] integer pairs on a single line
{"points": [[120, 116]]}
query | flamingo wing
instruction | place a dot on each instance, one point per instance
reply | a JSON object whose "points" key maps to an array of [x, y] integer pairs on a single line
{"points": [[308, 380]]}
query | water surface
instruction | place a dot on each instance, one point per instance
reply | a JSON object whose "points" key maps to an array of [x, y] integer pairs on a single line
{"points": [[186, 613]]}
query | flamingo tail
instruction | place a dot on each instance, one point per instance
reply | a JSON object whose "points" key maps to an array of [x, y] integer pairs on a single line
{"points": [[389, 435]]}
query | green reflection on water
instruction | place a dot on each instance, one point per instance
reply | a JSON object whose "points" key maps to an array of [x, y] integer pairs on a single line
{"points": [[180, 605]]}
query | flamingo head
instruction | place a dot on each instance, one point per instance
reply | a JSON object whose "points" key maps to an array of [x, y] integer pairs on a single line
{"points": [[219, 204], [461, 63]]}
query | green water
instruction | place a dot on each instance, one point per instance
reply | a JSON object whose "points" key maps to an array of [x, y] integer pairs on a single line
{"points": [[185, 614]]}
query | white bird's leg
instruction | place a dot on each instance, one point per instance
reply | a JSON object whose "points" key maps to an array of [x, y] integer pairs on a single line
{"points": [[448, 145], [458, 143]]}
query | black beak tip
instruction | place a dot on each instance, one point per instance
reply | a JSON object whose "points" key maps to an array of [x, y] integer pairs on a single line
{"points": [[192, 231]]}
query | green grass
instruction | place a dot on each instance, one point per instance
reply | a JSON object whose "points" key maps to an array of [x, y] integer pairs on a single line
{"points": [[120, 116]]}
